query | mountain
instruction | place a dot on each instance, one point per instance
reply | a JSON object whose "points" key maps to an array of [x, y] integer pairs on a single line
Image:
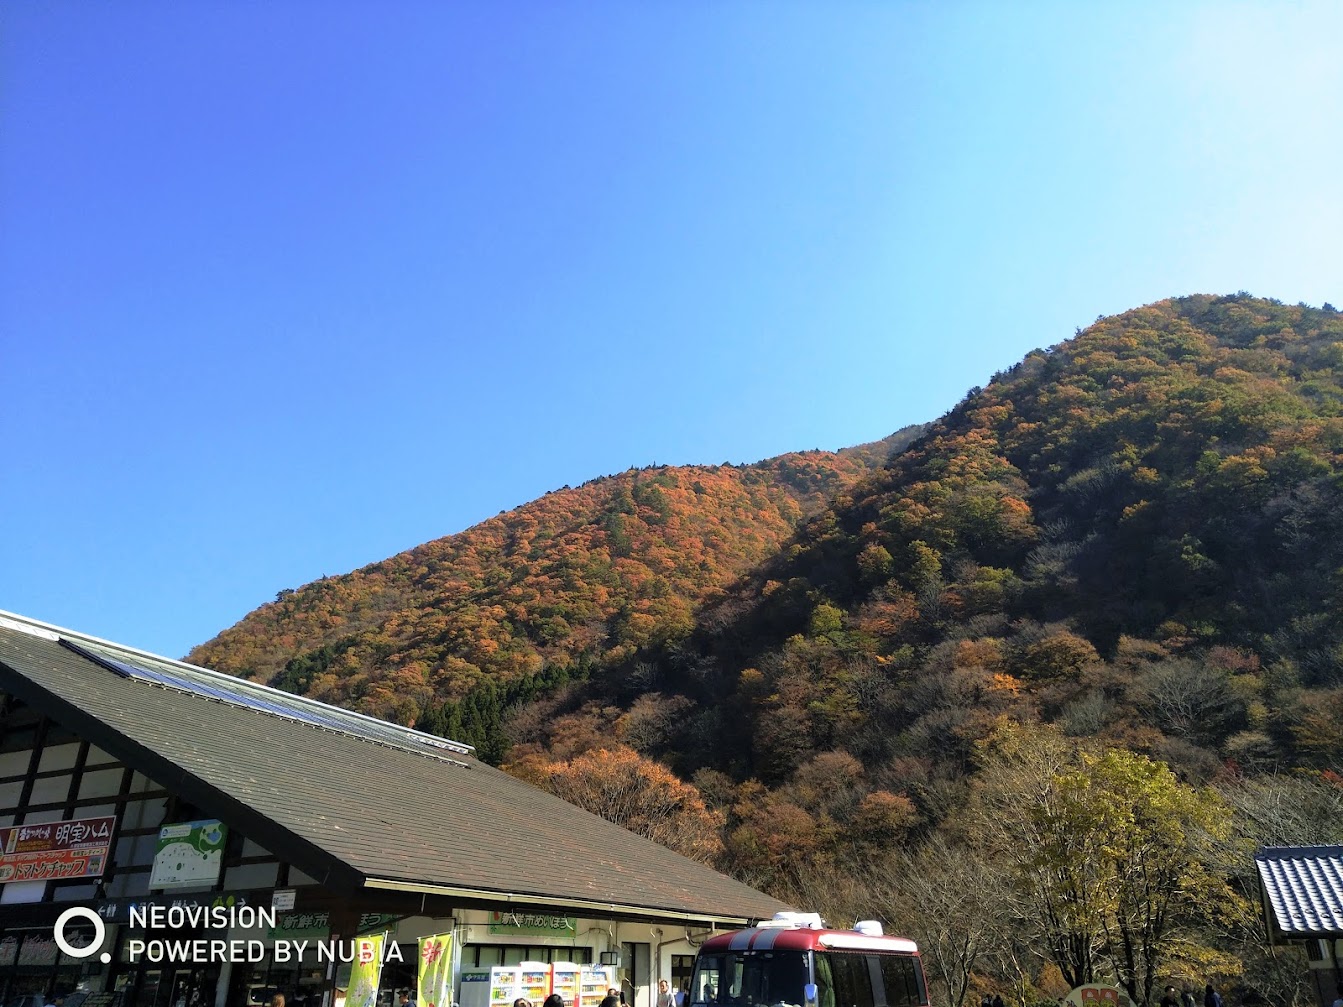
{"points": [[579, 577], [1030, 682], [1163, 488], [1138, 531]]}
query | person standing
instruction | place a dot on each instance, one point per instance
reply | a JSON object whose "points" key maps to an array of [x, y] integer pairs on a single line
{"points": [[1211, 998], [665, 998]]}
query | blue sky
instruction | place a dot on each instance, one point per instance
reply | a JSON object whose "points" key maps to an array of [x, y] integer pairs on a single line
{"points": [[288, 288]]}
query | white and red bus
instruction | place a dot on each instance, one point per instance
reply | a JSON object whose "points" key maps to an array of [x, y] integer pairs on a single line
{"points": [[793, 960]]}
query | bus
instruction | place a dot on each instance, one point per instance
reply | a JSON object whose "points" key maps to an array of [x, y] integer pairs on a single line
{"points": [[794, 960]]}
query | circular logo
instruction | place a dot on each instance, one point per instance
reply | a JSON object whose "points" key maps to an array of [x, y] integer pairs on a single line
{"points": [[99, 932]]}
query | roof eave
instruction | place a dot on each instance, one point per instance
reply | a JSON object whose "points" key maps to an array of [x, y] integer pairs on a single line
{"points": [[585, 906]]}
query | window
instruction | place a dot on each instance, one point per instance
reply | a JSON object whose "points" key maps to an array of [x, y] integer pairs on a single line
{"points": [[903, 979], [843, 980], [750, 979], [486, 955]]}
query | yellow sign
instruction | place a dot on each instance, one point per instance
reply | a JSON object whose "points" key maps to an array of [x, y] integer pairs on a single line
{"points": [[435, 985], [365, 972]]}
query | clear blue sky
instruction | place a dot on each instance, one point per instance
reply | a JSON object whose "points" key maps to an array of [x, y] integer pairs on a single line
{"points": [[287, 288]]}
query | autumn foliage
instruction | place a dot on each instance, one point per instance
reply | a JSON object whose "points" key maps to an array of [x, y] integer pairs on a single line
{"points": [[1125, 550], [623, 787], [579, 578]]}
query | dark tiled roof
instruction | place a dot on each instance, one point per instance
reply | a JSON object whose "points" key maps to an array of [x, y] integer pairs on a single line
{"points": [[1303, 889], [346, 809]]}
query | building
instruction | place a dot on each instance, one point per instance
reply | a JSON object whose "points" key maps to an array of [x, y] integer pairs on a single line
{"points": [[171, 788], [1302, 893]]}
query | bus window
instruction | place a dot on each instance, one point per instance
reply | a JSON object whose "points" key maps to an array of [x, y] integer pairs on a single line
{"points": [[903, 979], [843, 980], [825, 982], [749, 979]]}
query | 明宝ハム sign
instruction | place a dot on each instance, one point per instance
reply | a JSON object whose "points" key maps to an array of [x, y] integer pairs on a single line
{"points": [[77, 848]]}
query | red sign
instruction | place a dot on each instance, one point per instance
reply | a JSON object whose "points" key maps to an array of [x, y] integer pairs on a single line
{"points": [[73, 849]]}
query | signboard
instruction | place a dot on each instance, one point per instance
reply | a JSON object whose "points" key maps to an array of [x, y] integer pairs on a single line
{"points": [[38, 950], [300, 927], [190, 854], [435, 972], [1094, 995], [71, 849], [317, 926], [283, 899], [365, 972], [533, 924]]}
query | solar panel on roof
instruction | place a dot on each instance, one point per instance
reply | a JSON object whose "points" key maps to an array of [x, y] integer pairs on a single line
{"points": [[263, 699]]}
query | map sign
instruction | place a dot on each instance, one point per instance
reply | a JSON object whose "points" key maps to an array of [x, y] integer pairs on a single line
{"points": [[190, 854]]}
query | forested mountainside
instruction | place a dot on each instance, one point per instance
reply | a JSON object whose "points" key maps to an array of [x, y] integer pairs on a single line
{"points": [[1153, 509], [1032, 691], [525, 600], [1036, 689]]}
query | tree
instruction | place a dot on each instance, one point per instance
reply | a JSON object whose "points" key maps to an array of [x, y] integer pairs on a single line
{"points": [[1056, 878], [1159, 841], [1115, 859], [636, 793], [1189, 699], [949, 900]]}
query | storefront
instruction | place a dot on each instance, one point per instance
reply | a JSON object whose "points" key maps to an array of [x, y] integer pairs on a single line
{"points": [[242, 832]]}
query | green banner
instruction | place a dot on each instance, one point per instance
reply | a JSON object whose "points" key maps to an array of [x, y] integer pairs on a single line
{"points": [[317, 926], [435, 985], [533, 924]]}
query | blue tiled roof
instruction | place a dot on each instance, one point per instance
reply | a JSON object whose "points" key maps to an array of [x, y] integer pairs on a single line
{"points": [[1303, 889]]}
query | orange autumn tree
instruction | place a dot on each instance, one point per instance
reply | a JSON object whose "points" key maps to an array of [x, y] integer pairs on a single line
{"points": [[636, 793]]}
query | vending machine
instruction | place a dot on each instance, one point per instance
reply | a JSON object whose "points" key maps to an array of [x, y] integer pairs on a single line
{"points": [[593, 984], [534, 981], [505, 985], [564, 980]]}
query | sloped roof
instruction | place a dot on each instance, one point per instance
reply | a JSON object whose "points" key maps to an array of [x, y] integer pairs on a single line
{"points": [[352, 810], [1303, 890]]}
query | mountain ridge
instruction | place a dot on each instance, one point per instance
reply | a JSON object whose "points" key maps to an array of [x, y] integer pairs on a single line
{"points": [[607, 580]]}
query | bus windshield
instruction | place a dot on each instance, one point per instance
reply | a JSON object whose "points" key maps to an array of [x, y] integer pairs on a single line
{"points": [[749, 979]]}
